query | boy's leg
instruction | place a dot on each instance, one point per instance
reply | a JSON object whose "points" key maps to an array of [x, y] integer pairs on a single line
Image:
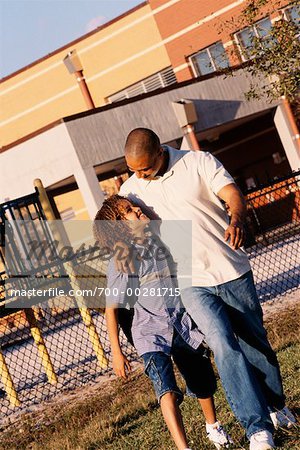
{"points": [[172, 415], [195, 366], [159, 368], [209, 410]]}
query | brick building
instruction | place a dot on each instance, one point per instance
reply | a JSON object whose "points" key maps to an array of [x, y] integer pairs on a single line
{"points": [[162, 49]]}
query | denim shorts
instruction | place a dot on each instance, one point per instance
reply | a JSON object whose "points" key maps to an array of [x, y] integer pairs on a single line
{"points": [[194, 365]]}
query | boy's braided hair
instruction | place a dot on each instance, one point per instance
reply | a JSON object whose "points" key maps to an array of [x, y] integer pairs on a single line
{"points": [[106, 232]]}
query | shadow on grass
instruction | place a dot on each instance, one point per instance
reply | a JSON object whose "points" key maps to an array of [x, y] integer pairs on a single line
{"points": [[136, 414], [130, 422]]}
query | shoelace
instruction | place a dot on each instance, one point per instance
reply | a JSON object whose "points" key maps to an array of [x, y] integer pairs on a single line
{"points": [[221, 433], [227, 440]]}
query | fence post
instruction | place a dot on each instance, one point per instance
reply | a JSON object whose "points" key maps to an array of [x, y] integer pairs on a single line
{"points": [[8, 382], [61, 237], [39, 340]]}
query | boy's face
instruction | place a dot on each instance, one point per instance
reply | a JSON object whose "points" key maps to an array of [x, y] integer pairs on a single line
{"points": [[131, 212]]}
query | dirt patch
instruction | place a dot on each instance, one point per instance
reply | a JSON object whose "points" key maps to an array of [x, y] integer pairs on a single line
{"points": [[276, 306]]}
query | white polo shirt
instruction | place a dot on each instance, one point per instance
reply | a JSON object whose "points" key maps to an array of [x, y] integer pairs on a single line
{"points": [[188, 191]]}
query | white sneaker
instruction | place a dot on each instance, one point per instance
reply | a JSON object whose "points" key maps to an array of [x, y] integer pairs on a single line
{"points": [[262, 440], [283, 418], [218, 436]]}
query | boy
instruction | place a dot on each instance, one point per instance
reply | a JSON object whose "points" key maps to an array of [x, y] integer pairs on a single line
{"points": [[161, 327]]}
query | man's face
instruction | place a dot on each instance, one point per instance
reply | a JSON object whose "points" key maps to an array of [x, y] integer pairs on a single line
{"points": [[145, 166]]}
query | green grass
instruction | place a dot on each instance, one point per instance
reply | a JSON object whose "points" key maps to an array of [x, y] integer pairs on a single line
{"points": [[125, 416]]}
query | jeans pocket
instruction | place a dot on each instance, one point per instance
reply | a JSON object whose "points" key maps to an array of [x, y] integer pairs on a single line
{"points": [[153, 373], [244, 292]]}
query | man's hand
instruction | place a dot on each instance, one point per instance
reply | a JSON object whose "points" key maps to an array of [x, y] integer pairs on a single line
{"points": [[123, 258], [235, 233], [121, 366]]}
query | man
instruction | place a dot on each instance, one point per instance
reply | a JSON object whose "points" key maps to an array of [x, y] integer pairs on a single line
{"points": [[187, 185]]}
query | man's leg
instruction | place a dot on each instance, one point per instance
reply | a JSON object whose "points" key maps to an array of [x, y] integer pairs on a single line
{"points": [[245, 313], [242, 391]]}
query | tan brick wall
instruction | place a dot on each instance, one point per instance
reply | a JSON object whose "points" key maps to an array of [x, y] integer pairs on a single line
{"points": [[116, 56]]}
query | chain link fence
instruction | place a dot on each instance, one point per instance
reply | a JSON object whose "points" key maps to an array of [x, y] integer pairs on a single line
{"points": [[273, 227], [49, 350]]}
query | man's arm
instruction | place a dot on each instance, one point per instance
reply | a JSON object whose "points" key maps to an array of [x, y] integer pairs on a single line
{"points": [[235, 232], [121, 365]]}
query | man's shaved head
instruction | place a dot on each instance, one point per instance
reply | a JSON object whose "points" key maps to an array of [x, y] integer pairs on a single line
{"points": [[141, 141]]}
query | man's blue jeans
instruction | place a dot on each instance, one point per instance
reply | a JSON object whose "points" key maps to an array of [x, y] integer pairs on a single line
{"points": [[230, 317]]}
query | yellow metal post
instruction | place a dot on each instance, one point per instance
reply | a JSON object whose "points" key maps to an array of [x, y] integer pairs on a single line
{"points": [[39, 340], [60, 236], [94, 337], [8, 382]]}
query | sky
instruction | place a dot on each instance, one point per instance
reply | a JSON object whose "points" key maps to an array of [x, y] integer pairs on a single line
{"points": [[30, 29]]}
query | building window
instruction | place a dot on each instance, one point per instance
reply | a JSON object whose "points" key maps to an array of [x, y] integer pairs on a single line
{"points": [[292, 14], [246, 37], [161, 79], [210, 60]]}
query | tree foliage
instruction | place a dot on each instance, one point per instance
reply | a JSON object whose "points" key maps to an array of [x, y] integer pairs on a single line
{"points": [[273, 55]]}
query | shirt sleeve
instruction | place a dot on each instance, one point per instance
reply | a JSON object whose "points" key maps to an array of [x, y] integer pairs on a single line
{"points": [[126, 191], [117, 282], [122, 289], [126, 187], [214, 173], [123, 191]]}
